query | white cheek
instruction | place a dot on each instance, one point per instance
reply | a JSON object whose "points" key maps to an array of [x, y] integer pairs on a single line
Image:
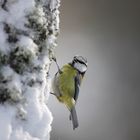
{"points": [[83, 68], [80, 67]]}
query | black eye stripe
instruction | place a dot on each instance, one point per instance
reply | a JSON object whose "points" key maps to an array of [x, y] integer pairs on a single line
{"points": [[81, 62]]}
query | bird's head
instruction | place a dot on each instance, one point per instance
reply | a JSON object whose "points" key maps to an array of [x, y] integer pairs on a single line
{"points": [[80, 63]]}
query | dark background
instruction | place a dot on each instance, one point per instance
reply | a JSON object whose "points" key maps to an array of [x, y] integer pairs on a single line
{"points": [[107, 32]]}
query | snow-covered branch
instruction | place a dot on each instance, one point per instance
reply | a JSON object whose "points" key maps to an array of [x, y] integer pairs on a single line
{"points": [[28, 33]]}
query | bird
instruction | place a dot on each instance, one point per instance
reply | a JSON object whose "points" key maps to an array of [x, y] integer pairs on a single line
{"points": [[66, 84]]}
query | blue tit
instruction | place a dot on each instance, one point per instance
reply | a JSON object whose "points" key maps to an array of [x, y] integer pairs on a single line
{"points": [[66, 85]]}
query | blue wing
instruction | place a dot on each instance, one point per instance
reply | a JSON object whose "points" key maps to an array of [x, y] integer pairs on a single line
{"points": [[77, 86], [73, 115]]}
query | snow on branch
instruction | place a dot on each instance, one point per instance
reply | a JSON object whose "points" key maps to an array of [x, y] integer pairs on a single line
{"points": [[28, 33]]}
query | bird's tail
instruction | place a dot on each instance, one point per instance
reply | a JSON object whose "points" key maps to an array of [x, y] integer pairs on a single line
{"points": [[73, 117]]}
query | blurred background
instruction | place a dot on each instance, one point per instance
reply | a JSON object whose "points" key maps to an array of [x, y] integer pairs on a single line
{"points": [[107, 32]]}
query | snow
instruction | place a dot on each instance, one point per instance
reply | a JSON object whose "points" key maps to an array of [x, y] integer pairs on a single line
{"points": [[27, 45], [30, 120], [5, 121], [24, 114], [16, 9]]}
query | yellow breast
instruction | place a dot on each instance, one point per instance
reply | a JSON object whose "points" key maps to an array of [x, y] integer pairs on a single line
{"points": [[67, 85]]}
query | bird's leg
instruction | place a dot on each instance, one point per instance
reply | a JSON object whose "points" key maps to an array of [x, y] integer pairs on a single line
{"points": [[55, 94], [54, 59]]}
